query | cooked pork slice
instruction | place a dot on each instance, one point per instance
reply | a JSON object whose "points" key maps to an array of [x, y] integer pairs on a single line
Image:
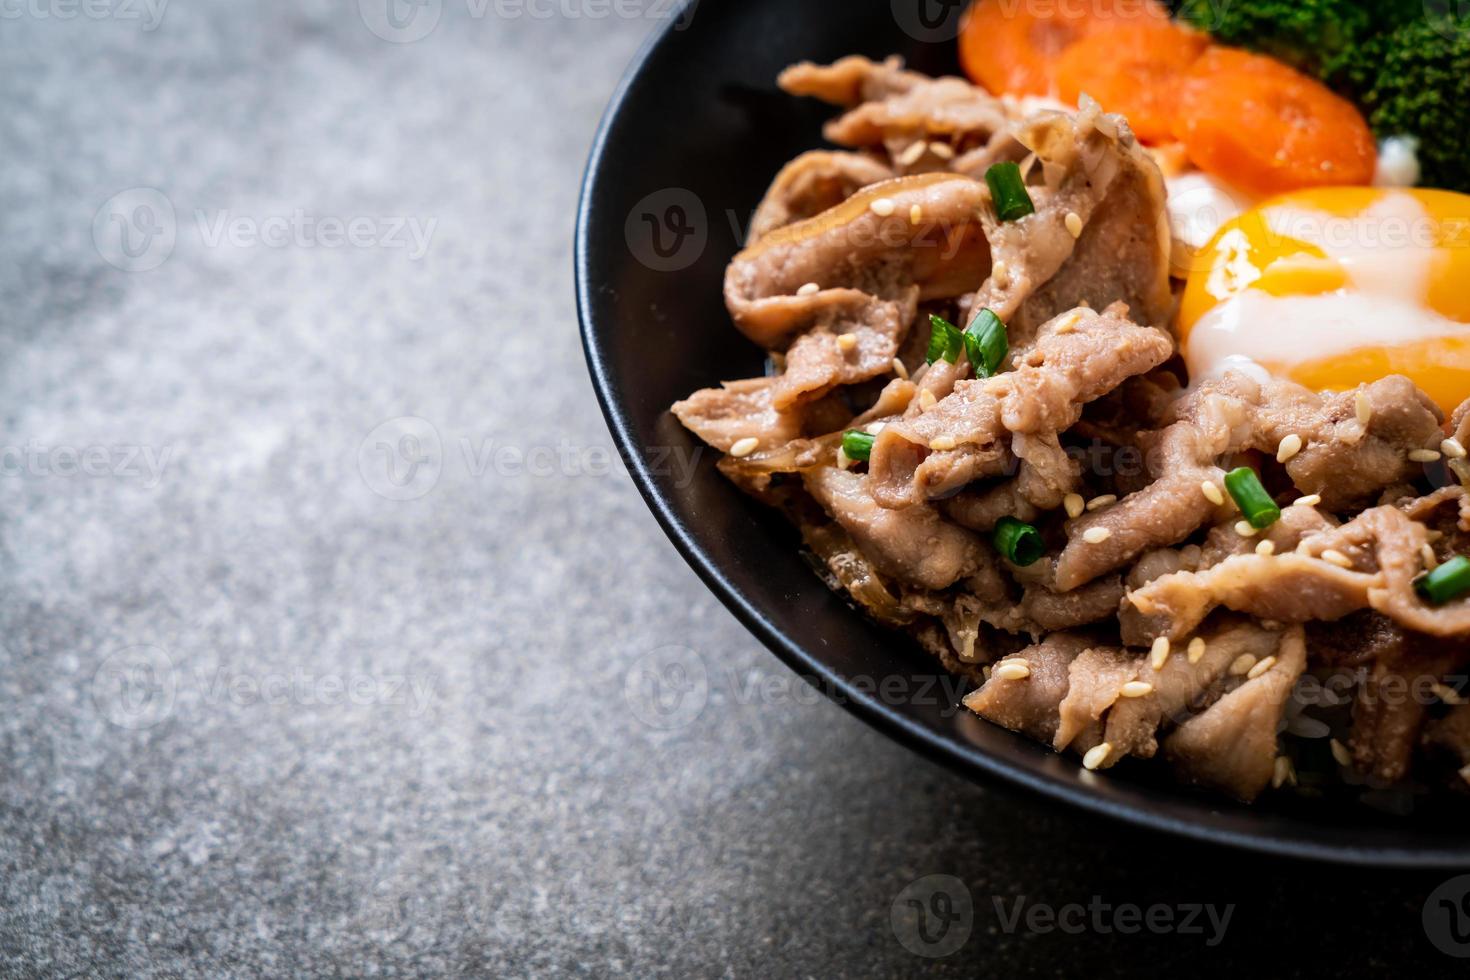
{"points": [[1232, 746], [1041, 610], [846, 345], [813, 183], [1234, 414], [914, 546], [737, 411], [851, 571], [1030, 705], [867, 247], [1090, 170], [851, 80], [981, 510], [1187, 682], [1076, 358], [1095, 682], [1393, 702]]}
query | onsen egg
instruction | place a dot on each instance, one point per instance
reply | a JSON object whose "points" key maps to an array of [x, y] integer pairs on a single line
{"points": [[1337, 287]]}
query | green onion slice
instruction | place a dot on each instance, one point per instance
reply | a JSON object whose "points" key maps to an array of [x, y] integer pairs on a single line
{"points": [[945, 340], [857, 445], [1449, 581], [1019, 543], [1255, 503], [1008, 191], [986, 344]]}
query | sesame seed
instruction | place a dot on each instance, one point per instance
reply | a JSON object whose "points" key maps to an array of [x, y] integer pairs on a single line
{"points": [[847, 341], [1363, 407], [1106, 500], [1340, 752], [942, 150], [1159, 655], [1197, 647], [1310, 500], [843, 462], [911, 156], [744, 447], [1242, 665], [1074, 224], [1425, 456], [1266, 549], [927, 400], [1334, 557], [1261, 668], [883, 207], [1282, 772], [1075, 505], [1001, 273], [1137, 689], [1451, 447], [1289, 447], [1013, 670], [1069, 324], [1096, 756], [1431, 560], [900, 370], [942, 444], [1212, 493], [916, 214], [875, 427], [1244, 529], [1096, 535], [809, 289], [1446, 693]]}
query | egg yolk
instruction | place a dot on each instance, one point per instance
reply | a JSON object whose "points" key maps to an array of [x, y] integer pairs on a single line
{"points": [[1337, 287]]}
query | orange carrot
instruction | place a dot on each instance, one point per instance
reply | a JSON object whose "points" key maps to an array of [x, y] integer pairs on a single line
{"points": [[1269, 129], [1012, 46], [1134, 69]]}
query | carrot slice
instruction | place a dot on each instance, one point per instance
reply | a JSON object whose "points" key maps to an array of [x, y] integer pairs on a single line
{"points": [[1267, 128], [1134, 69], [1013, 45]]}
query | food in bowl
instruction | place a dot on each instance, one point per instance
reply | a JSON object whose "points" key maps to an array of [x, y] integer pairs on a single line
{"points": [[1103, 476]]}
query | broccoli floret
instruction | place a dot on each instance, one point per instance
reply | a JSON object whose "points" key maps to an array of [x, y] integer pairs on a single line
{"points": [[1316, 36], [1415, 81]]}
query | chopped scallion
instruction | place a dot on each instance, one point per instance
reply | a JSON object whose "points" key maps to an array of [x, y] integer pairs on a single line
{"points": [[986, 344], [1255, 503], [1449, 581], [945, 340], [1008, 191], [857, 445], [1019, 543]]}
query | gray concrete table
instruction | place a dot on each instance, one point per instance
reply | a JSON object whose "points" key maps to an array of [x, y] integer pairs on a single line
{"points": [[318, 596]]}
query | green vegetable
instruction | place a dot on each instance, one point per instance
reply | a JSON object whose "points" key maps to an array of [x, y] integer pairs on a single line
{"points": [[1415, 81], [1316, 36], [857, 445], [945, 340], [1019, 543], [1449, 581], [986, 344], [1008, 191], [1255, 503]]}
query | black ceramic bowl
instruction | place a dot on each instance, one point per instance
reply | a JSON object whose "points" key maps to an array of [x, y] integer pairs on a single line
{"points": [[691, 140]]}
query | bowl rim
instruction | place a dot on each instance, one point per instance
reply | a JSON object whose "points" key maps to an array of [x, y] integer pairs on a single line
{"points": [[969, 761]]}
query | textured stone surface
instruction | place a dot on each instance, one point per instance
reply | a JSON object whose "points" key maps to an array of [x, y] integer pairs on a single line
{"points": [[261, 718]]}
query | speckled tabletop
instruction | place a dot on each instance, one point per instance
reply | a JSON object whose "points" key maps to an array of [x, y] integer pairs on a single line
{"points": [[320, 595]]}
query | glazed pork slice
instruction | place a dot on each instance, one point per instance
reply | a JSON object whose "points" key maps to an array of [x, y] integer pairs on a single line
{"points": [[1030, 705], [983, 424], [812, 183], [737, 411], [1232, 745]]}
